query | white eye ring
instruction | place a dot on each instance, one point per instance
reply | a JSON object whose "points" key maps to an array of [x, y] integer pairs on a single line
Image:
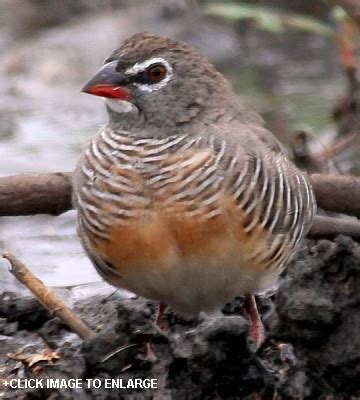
{"points": [[140, 67]]}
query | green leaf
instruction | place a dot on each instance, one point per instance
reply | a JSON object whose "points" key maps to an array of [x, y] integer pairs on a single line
{"points": [[268, 19], [264, 19], [308, 24], [339, 14], [270, 22], [232, 11]]}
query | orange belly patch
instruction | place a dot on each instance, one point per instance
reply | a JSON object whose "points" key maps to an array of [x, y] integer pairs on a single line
{"points": [[183, 261], [141, 244], [163, 241]]}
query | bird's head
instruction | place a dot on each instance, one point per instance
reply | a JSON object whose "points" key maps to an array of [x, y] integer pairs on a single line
{"points": [[160, 79]]}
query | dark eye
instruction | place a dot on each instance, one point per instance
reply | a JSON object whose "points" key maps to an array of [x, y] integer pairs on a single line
{"points": [[156, 72]]}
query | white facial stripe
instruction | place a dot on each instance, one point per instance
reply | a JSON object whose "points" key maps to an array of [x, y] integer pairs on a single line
{"points": [[139, 67], [154, 86]]}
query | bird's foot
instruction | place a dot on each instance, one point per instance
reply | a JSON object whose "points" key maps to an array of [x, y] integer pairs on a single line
{"points": [[160, 318], [149, 354]]}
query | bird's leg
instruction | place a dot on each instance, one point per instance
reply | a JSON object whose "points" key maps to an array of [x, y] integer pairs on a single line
{"points": [[159, 320], [256, 327], [160, 323]]}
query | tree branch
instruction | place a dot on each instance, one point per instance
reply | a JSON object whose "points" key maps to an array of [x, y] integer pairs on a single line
{"points": [[337, 193], [35, 194], [51, 194], [330, 227]]}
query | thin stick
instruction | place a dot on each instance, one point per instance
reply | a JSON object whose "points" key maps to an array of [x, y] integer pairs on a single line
{"points": [[337, 147], [47, 297]]}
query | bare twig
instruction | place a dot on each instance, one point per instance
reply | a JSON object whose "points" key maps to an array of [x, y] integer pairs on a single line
{"points": [[337, 147], [47, 297], [118, 350]]}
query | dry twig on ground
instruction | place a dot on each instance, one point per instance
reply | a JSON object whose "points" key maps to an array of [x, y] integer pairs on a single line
{"points": [[47, 297]]}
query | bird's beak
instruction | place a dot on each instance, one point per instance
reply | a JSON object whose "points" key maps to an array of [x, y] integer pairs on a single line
{"points": [[109, 83]]}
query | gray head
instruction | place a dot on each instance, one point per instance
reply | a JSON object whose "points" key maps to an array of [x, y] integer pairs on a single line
{"points": [[159, 81]]}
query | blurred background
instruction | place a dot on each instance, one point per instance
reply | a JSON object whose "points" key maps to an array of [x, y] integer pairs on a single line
{"points": [[294, 61]]}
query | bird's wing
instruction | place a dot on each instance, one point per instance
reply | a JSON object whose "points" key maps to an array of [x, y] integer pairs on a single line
{"points": [[105, 268], [274, 200]]}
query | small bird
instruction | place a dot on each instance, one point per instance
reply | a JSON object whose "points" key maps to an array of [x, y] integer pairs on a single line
{"points": [[184, 197]]}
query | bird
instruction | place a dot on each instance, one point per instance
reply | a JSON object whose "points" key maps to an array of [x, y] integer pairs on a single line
{"points": [[184, 197]]}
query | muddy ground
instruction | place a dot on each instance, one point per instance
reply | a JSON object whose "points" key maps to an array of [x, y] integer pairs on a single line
{"points": [[312, 349]]}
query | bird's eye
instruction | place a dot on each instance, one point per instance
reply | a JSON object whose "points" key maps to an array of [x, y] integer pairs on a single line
{"points": [[156, 72]]}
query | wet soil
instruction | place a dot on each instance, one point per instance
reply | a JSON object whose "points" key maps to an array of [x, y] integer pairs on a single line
{"points": [[312, 348]]}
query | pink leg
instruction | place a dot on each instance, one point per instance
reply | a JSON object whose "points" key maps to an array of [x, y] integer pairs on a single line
{"points": [[256, 327], [149, 353], [159, 320]]}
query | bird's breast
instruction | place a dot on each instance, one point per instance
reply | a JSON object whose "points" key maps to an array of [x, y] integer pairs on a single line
{"points": [[170, 221]]}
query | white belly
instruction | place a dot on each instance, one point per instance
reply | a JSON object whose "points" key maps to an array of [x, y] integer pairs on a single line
{"points": [[191, 289]]}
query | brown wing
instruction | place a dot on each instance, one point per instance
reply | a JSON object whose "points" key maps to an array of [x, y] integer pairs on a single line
{"points": [[274, 199]]}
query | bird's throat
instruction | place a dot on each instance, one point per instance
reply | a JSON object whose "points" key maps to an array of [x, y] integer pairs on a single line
{"points": [[120, 106]]}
